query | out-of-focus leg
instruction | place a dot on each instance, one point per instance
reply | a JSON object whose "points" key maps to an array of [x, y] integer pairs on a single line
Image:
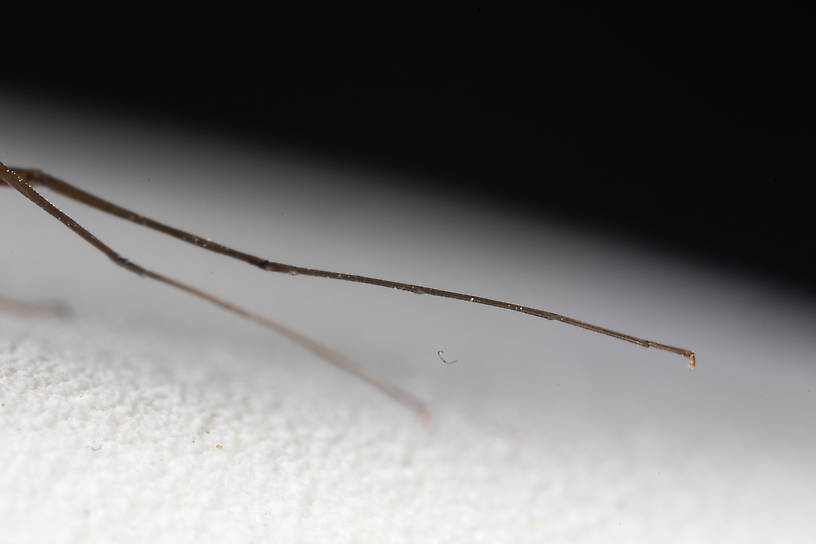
{"points": [[24, 308]]}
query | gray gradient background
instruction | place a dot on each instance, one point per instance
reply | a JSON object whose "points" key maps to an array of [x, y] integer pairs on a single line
{"points": [[544, 432]]}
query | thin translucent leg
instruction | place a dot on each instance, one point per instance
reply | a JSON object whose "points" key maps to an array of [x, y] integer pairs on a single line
{"points": [[25, 308], [14, 180]]}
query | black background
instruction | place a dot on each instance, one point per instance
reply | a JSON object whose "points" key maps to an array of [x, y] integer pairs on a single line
{"points": [[689, 130]]}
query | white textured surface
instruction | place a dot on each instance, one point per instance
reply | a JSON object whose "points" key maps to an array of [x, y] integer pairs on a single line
{"points": [[110, 421]]}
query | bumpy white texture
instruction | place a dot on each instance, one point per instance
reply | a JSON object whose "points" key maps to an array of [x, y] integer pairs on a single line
{"points": [[151, 417], [109, 440]]}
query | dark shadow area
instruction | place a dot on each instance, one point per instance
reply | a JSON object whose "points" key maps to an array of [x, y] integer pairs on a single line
{"points": [[691, 131]]}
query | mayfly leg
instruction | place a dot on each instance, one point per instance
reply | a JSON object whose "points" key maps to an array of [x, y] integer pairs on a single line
{"points": [[38, 177], [17, 182], [26, 308]]}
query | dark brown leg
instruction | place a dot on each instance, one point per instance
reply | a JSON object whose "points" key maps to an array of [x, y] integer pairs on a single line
{"points": [[38, 177], [14, 180]]}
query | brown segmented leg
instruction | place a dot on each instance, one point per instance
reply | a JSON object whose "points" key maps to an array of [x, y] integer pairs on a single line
{"points": [[16, 181], [37, 177]]}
